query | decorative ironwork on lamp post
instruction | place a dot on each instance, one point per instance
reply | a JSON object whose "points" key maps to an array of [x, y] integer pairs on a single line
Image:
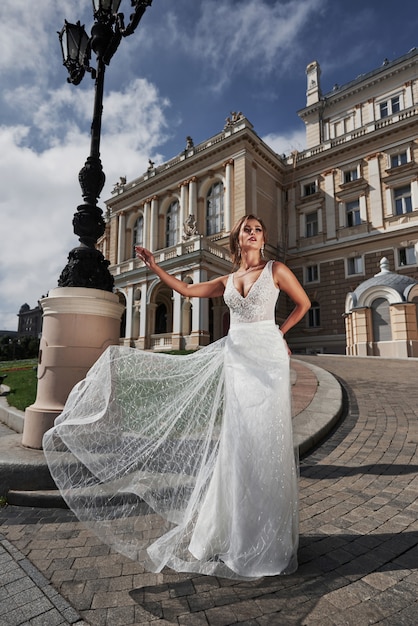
{"points": [[86, 265]]}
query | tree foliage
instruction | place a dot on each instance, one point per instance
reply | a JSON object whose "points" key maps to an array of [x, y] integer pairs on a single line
{"points": [[13, 348]]}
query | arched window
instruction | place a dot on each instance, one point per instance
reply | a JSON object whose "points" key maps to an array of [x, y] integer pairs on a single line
{"points": [[314, 315], [215, 209], [172, 224], [138, 233], [381, 320]]}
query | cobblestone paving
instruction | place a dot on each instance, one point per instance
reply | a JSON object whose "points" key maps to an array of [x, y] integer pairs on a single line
{"points": [[359, 532]]}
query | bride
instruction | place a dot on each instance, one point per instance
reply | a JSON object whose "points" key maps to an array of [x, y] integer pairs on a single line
{"points": [[188, 461]]}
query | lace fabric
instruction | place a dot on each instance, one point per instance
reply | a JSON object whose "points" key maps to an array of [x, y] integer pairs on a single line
{"points": [[187, 461], [260, 301]]}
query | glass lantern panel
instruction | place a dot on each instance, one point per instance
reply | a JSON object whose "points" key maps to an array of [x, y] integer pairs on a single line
{"points": [[106, 6]]}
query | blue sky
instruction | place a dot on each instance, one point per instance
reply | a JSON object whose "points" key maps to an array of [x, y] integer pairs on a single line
{"points": [[187, 66]]}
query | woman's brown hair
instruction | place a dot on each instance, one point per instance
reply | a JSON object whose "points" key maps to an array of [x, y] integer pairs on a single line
{"points": [[234, 246]]}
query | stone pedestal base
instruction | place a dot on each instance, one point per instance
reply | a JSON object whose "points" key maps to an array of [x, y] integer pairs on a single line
{"points": [[197, 339], [78, 325]]}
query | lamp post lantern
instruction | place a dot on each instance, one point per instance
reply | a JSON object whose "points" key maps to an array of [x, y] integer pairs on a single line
{"points": [[86, 265]]}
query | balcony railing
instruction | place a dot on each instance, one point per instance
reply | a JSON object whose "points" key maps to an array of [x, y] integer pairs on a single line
{"points": [[180, 250], [161, 341], [354, 134]]}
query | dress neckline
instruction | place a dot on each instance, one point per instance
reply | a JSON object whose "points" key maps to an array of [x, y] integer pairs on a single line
{"points": [[251, 286]]}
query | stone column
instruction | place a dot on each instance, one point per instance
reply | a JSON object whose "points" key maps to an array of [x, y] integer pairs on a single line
{"points": [[370, 110], [121, 237], [330, 204], [176, 333], [361, 329], [146, 237], [185, 317], [135, 321], [193, 196], [357, 116], [409, 96], [200, 316], [348, 334], [228, 195], [414, 192], [153, 239], [143, 318], [375, 193], [129, 311], [183, 208], [363, 208], [78, 325], [403, 321]]}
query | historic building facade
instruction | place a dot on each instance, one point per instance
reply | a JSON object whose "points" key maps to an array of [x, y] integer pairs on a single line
{"points": [[332, 211], [30, 320]]}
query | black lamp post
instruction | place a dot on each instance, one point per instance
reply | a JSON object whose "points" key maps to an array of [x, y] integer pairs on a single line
{"points": [[86, 265]]}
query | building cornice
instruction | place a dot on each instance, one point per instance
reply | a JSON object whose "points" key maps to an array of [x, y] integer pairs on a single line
{"points": [[187, 166], [360, 136], [363, 82]]}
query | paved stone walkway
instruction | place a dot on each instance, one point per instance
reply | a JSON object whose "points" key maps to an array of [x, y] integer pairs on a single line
{"points": [[26, 596], [358, 532]]}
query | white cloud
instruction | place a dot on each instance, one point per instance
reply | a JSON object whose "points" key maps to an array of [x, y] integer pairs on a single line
{"points": [[46, 140], [42, 192], [287, 142], [27, 30], [236, 35]]}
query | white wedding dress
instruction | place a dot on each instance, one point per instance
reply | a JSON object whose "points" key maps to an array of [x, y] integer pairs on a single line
{"points": [[188, 461]]}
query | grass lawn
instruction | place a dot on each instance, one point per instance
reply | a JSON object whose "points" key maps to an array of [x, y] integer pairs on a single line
{"points": [[21, 378]]}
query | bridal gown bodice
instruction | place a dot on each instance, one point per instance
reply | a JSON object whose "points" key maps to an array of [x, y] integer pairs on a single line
{"points": [[260, 301], [187, 461]]}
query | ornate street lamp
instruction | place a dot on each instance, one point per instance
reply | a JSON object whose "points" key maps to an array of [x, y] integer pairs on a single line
{"points": [[86, 265]]}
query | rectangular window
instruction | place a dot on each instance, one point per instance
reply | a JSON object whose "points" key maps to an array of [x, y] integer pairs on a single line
{"points": [[350, 175], [311, 274], [352, 211], [390, 106], [403, 200], [309, 189], [354, 265], [395, 104], [407, 256], [399, 159], [314, 316], [384, 109], [311, 222]]}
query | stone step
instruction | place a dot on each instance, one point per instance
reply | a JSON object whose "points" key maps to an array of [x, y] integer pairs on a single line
{"points": [[42, 499]]}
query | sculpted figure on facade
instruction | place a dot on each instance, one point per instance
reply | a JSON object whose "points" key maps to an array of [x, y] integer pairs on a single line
{"points": [[190, 227]]}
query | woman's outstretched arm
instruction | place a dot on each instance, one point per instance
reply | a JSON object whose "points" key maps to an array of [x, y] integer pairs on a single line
{"points": [[209, 289]]}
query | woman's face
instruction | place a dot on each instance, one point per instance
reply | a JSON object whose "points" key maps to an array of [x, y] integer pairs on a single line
{"points": [[251, 236]]}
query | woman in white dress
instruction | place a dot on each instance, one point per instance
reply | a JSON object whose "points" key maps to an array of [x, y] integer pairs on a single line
{"points": [[188, 461]]}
